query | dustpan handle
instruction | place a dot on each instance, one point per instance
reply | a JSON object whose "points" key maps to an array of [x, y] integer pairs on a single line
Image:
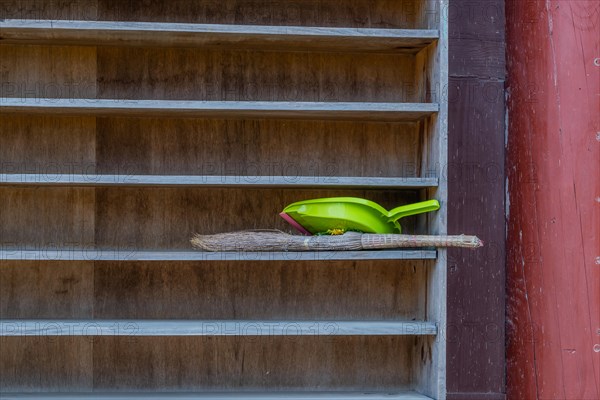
{"points": [[412, 209]]}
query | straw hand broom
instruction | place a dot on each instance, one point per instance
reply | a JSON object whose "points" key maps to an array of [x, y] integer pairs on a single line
{"points": [[274, 240]]}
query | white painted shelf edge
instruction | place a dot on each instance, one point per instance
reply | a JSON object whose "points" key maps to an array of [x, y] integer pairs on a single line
{"points": [[10, 252], [288, 38], [50, 327], [366, 111], [220, 396], [279, 30], [50, 179]]}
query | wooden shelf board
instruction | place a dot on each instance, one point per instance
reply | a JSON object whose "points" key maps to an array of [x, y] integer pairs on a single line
{"points": [[255, 37], [51, 327], [94, 180], [221, 109], [221, 396], [11, 253]]}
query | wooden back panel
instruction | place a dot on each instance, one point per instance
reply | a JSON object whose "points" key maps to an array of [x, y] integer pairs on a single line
{"points": [[165, 218]]}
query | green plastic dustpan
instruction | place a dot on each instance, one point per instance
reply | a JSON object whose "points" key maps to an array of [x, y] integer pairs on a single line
{"points": [[350, 214]]}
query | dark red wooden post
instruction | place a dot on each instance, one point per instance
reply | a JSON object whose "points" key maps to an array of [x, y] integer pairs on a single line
{"points": [[553, 169]]}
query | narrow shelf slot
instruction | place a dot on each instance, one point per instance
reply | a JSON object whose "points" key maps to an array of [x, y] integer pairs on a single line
{"points": [[94, 180], [51, 327], [285, 38], [220, 109]]}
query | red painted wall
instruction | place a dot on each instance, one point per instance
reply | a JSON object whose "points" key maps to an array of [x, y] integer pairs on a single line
{"points": [[553, 172]]}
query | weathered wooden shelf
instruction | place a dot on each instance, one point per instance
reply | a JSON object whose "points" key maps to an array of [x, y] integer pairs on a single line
{"points": [[119, 327], [221, 109], [10, 253], [285, 38], [216, 181], [297, 92], [220, 396]]}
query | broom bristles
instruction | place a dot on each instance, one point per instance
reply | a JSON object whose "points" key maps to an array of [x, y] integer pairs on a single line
{"points": [[273, 240]]}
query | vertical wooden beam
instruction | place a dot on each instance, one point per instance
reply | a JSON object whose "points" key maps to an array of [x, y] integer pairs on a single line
{"points": [[475, 173], [554, 187]]}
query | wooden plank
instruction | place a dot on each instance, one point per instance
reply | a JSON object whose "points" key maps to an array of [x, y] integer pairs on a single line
{"points": [[477, 166], [31, 289], [221, 396], [150, 146], [219, 109], [429, 13], [476, 184], [479, 58], [30, 72], [46, 144], [432, 76], [215, 181], [45, 364], [483, 20], [287, 38], [349, 13], [392, 395], [35, 9], [205, 364], [255, 290], [56, 218], [96, 327], [321, 149], [12, 252], [553, 213], [162, 219], [477, 41], [237, 75], [225, 363]]}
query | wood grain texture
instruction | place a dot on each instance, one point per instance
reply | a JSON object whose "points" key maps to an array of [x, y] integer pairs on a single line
{"points": [[483, 20], [352, 13], [47, 145], [476, 282], [54, 217], [258, 148], [198, 74], [553, 179], [476, 180], [56, 9], [156, 219], [166, 218], [423, 85], [31, 72], [477, 39], [423, 353], [273, 38], [479, 58], [45, 364], [228, 363], [48, 289], [476, 396], [432, 371], [430, 14], [258, 290]]}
